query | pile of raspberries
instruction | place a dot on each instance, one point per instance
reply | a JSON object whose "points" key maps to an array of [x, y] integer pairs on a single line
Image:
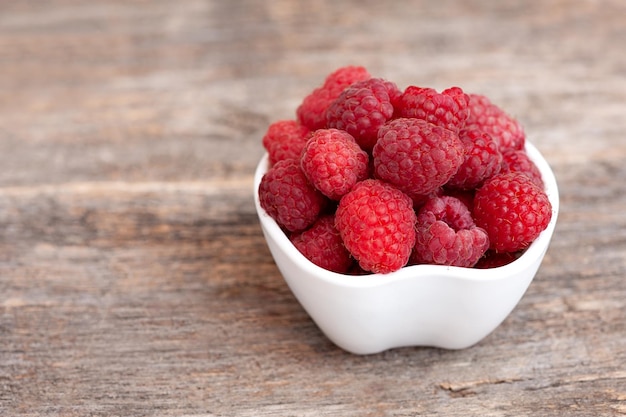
{"points": [[368, 178]]}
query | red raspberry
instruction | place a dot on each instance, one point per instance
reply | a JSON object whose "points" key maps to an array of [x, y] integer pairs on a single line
{"points": [[416, 156], [285, 139], [322, 245], [488, 117], [519, 161], [288, 197], [447, 109], [513, 210], [377, 224], [362, 109], [482, 160], [446, 234], [312, 112], [334, 162]]}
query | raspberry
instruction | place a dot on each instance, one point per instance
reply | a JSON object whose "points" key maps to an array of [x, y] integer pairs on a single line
{"points": [[287, 196], [513, 210], [519, 161], [482, 160], [416, 156], [333, 162], [377, 224], [285, 139], [368, 178], [447, 109], [312, 111], [362, 109], [322, 245], [488, 117], [446, 234]]}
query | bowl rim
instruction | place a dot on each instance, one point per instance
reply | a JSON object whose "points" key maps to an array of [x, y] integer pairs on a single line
{"points": [[534, 251]]}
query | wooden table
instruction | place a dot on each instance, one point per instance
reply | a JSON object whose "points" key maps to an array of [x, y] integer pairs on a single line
{"points": [[134, 278]]}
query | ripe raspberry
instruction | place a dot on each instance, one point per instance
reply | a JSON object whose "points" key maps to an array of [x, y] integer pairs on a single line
{"points": [[377, 224], [285, 139], [519, 161], [362, 109], [447, 109], [446, 234], [486, 116], [322, 245], [513, 210], [333, 162], [288, 197], [416, 156], [312, 111], [482, 160]]}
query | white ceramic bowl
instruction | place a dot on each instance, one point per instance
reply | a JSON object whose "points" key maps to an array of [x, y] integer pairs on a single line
{"points": [[420, 305]]}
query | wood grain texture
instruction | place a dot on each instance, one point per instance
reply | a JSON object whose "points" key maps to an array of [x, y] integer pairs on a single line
{"points": [[134, 278]]}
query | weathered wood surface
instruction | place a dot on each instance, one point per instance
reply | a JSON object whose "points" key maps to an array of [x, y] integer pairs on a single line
{"points": [[134, 279]]}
